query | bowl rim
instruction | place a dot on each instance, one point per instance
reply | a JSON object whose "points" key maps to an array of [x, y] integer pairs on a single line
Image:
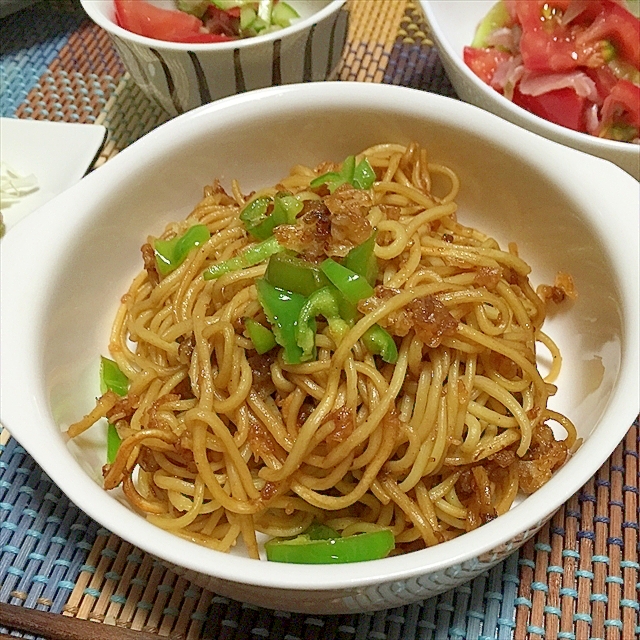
{"points": [[568, 135], [165, 45], [622, 407]]}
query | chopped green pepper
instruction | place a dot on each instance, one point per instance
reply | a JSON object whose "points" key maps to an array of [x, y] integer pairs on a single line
{"points": [[262, 338], [294, 274], [379, 342], [113, 443], [260, 223], [303, 549], [282, 309], [352, 285], [250, 256], [363, 261], [170, 254], [322, 302], [361, 176], [112, 379]]}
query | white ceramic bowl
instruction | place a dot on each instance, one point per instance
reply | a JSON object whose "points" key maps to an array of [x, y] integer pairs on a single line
{"points": [[65, 267], [181, 76], [453, 24]]}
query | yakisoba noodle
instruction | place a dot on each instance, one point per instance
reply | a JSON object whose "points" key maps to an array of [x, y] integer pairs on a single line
{"points": [[219, 443]]}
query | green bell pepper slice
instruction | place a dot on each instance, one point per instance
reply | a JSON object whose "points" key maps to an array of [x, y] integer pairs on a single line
{"points": [[170, 254], [112, 379], [361, 176], [379, 342], [303, 549], [250, 256], [260, 223], [362, 260], [353, 286], [323, 302], [282, 309], [262, 338], [294, 274]]}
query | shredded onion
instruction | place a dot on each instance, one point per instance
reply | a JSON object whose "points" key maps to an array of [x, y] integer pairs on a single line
{"points": [[505, 38], [575, 8], [592, 121], [507, 75], [14, 186], [535, 84]]}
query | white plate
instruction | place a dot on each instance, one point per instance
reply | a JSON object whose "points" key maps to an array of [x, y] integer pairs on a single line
{"points": [[57, 153]]}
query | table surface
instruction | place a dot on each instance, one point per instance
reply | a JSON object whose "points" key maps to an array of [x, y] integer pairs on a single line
{"points": [[577, 579]]}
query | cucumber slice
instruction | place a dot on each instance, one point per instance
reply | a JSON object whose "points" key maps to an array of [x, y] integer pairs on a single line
{"points": [[283, 14]]}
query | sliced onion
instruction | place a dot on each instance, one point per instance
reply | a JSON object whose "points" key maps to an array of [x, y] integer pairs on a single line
{"points": [[592, 121], [507, 75], [575, 8], [535, 84], [14, 186]]}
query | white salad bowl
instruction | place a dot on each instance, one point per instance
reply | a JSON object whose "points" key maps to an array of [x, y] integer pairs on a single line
{"points": [[65, 267], [453, 24], [180, 76]]}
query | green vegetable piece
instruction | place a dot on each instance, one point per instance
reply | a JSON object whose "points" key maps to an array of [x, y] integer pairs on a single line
{"points": [[363, 261], [294, 274], [319, 531], [497, 18], [255, 214], [260, 224], [194, 7], [334, 180], [379, 342], [247, 17], [170, 254], [363, 175], [113, 443], [282, 309], [322, 302], [265, 7], [250, 256], [262, 338], [111, 378], [283, 13], [352, 285], [225, 5], [357, 548]]}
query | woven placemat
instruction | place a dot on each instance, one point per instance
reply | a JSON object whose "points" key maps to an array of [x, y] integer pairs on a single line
{"points": [[577, 579]]}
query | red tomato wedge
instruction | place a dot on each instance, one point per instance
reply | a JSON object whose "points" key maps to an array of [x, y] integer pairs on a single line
{"points": [[150, 21], [622, 108], [484, 62], [617, 26], [562, 106]]}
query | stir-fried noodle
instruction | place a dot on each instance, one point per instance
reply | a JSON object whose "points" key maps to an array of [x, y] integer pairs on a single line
{"points": [[219, 442]]}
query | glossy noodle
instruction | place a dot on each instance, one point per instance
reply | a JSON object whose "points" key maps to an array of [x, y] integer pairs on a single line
{"points": [[220, 443]]}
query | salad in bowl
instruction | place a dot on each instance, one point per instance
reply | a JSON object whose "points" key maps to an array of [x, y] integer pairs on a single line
{"points": [[575, 63]]}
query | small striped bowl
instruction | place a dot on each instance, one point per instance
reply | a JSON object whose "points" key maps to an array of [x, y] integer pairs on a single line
{"points": [[180, 77]]}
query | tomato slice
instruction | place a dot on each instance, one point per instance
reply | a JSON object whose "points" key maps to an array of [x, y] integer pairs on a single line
{"points": [[562, 106], [621, 112], [150, 21], [616, 25], [549, 44], [484, 62]]}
